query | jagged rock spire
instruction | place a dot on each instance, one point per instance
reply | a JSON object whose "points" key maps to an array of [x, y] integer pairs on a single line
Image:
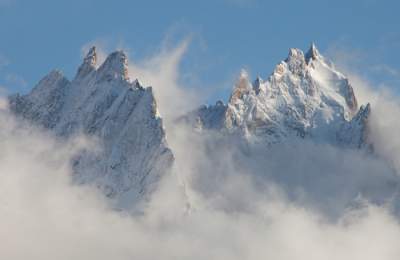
{"points": [[114, 67], [350, 97], [312, 53], [296, 61], [295, 53], [88, 65], [257, 84], [242, 86], [355, 132], [91, 57]]}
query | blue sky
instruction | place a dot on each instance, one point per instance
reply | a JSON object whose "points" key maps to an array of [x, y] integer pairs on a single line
{"points": [[226, 35]]}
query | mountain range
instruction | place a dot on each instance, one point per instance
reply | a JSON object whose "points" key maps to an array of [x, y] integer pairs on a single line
{"points": [[305, 97]]}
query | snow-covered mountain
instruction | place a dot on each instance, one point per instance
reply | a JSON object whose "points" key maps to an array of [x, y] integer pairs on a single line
{"points": [[304, 97], [104, 103]]}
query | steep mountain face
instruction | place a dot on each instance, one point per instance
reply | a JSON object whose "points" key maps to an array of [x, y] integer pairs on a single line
{"points": [[121, 114], [304, 97]]}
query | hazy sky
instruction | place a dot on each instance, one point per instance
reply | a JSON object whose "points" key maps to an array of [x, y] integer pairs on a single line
{"points": [[226, 35]]}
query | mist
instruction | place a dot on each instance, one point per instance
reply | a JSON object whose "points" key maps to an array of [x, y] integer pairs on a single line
{"points": [[222, 199]]}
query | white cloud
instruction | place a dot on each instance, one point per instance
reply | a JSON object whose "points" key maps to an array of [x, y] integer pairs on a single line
{"points": [[384, 102], [44, 217], [386, 69], [161, 72]]}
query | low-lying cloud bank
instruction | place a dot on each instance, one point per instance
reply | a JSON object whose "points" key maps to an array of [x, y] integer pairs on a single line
{"points": [[303, 201], [45, 217]]}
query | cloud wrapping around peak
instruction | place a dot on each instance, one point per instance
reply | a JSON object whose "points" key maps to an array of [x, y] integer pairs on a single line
{"points": [[300, 201], [45, 217], [161, 71]]}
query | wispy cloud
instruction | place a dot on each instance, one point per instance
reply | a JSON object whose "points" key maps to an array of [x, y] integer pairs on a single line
{"points": [[45, 217], [386, 69], [160, 70], [366, 64]]}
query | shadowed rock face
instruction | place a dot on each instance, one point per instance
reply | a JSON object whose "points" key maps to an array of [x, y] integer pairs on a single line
{"points": [[304, 97], [122, 115]]}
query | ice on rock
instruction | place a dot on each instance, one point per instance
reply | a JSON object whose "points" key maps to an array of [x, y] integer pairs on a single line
{"points": [[121, 114], [305, 97]]}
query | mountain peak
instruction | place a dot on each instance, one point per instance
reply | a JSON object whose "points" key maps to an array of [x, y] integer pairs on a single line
{"points": [[296, 61], [242, 87], [298, 100], [122, 117], [88, 65], [114, 67], [312, 52], [54, 74], [91, 56], [295, 53], [257, 84]]}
